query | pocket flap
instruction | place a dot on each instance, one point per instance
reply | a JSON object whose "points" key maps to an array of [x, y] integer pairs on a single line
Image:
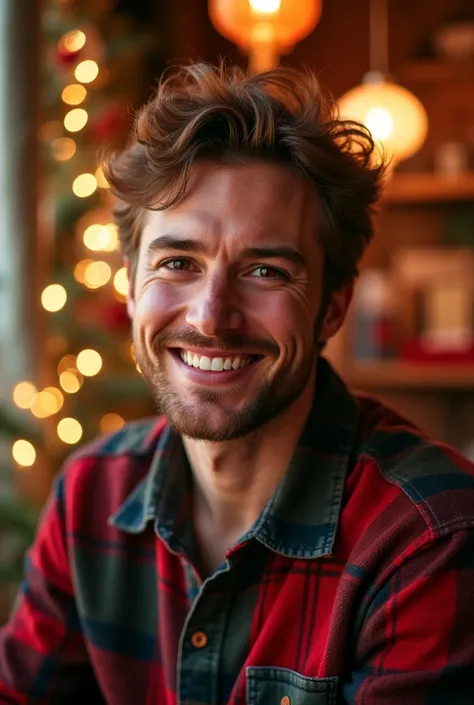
{"points": [[282, 686]]}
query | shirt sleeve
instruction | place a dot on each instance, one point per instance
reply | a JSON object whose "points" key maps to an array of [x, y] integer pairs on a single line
{"points": [[416, 645], [42, 654]]}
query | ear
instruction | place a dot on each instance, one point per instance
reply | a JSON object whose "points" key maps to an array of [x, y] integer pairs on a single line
{"points": [[131, 290], [336, 311]]}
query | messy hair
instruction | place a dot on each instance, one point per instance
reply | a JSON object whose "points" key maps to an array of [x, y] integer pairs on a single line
{"points": [[222, 114]]}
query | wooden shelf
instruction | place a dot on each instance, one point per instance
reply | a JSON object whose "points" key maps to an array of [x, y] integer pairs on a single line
{"points": [[395, 375], [412, 189], [435, 70]]}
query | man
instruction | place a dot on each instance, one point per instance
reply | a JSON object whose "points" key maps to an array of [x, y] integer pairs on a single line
{"points": [[269, 538]]}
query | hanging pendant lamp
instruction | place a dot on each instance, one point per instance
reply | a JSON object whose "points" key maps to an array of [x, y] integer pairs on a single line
{"points": [[396, 117]]}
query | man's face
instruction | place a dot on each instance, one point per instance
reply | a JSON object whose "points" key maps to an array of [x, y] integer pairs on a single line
{"points": [[227, 302]]}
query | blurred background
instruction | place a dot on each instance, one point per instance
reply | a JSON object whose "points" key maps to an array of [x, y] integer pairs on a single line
{"points": [[71, 74]]}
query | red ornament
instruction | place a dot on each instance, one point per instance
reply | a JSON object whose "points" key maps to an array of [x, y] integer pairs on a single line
{"points": [[109, 125]]}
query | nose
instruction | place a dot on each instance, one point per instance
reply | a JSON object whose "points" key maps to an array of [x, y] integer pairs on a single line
{"points": [[213, 310]]}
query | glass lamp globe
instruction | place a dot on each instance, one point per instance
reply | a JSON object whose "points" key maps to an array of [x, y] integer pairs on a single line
{"points": [[395, 117]]}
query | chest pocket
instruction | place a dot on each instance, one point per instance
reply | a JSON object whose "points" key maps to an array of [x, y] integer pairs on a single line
{"points": [[281, 686]]}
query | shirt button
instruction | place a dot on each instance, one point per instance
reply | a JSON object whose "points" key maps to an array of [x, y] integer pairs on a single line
{"points": [[285, 700], [199, 640]]}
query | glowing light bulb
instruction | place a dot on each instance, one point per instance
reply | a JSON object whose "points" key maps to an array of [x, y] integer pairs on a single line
{"points": [[111, 422], [71, 381], [267, 7], [87, 71], [101, 180], [73, 94], [380, 123], [68, 362], [53, 297], [47, 403], [96, 237], [97, 274], [72, 41], [75, 119], [113, 237], [89, 362], [121, 281], [23, 394], [69, 430], [84, 185], [24, 453], [80, 270]]}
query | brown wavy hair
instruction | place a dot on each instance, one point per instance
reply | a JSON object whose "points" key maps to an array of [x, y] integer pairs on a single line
{"points": [[222, 114]]}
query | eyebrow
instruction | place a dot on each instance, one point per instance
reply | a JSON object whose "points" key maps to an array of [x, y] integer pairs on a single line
{"points": [[171, 242]]}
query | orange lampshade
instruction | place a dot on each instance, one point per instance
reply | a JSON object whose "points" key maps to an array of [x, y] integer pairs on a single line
{"points": [[275, 24]]}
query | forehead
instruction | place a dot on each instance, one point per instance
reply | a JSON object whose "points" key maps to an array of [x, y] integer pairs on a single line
{"points": [[249, 202]]}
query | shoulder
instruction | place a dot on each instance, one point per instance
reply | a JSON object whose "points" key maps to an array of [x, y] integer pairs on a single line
{"points": [[107, 470], [437, 480]]}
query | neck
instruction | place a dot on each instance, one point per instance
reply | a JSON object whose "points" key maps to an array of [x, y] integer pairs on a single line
{"points": [[233, 480]]}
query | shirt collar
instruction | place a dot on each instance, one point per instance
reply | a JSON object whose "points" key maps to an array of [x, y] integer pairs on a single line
{"points": [[301, 518]]}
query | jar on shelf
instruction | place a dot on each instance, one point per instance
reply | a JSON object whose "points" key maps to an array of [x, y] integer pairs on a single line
{"points": [[374, 321]]}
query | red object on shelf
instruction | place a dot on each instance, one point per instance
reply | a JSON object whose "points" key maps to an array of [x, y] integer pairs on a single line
{"points": [[418, 351]]}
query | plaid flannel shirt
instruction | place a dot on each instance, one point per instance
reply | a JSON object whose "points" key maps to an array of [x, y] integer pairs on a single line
{"points": [[355, 585]]}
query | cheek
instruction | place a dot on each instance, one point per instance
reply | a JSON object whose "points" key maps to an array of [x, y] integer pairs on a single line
{"points": [[290, 319], [156, 304]]}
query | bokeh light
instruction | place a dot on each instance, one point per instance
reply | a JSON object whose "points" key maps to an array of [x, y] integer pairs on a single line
{"points": [[89, 362], [72, 41], [121, 281], [111, 422], [101, 180], [96, 237], [47, 403], [69, 430], [87, 71], [24, 453], [68, 362], [84, 185], [23, 394], [53, 297], [71, 381], [75, 119], [97, 274], [63, 148], [74, 94], [80, 270]]}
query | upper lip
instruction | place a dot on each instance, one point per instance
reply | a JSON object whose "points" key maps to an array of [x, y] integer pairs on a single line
{"points": [[207, 352]]}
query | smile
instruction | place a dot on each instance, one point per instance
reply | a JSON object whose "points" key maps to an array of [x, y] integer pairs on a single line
{"points": [[216, 364]]}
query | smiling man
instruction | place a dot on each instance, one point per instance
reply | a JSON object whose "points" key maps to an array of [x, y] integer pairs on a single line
{"points": [[268, 538]]}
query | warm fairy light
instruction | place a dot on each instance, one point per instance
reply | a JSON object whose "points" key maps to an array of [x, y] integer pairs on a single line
{"points": [[87, 71], [47, 403], [23, 394], [97, 274], [72, 41], [96, 237], [84, 185], [68, 362], [138, 368], [89, 362], [80, 270], [50, 130], [101, 180], [69, 430], [23, 453], [71, 381], [265, 6], [113, 237], [63, 148], [121, 281], [74, 94], [75, 119], [111, 422], [54, 297]]}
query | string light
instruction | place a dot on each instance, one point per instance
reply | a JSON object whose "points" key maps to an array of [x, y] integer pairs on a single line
{"points": [[23, 453], [75, 119], [71, 381], [97, 274], [96, 237], [113, 237], [101, 180], [47, 403], [72, 41], [121, 281], [89, 362], [53, 297], [87, 71], [69, 430], [74, 94], [80, 270], [68, 362], [23, 394], [111, 422], [63, 148], [84, 185]]}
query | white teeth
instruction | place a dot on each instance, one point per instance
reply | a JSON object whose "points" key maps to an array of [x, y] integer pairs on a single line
{"points": [[214, 364], [205, 363]]}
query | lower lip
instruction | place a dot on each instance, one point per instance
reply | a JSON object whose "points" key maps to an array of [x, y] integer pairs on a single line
{"points": [[214, 379]]}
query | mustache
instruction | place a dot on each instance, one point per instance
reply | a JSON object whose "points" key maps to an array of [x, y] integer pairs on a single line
{"points": [[230, 341]]}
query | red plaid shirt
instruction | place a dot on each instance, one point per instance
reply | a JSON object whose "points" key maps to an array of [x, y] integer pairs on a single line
{"points": [[354, 586]]}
